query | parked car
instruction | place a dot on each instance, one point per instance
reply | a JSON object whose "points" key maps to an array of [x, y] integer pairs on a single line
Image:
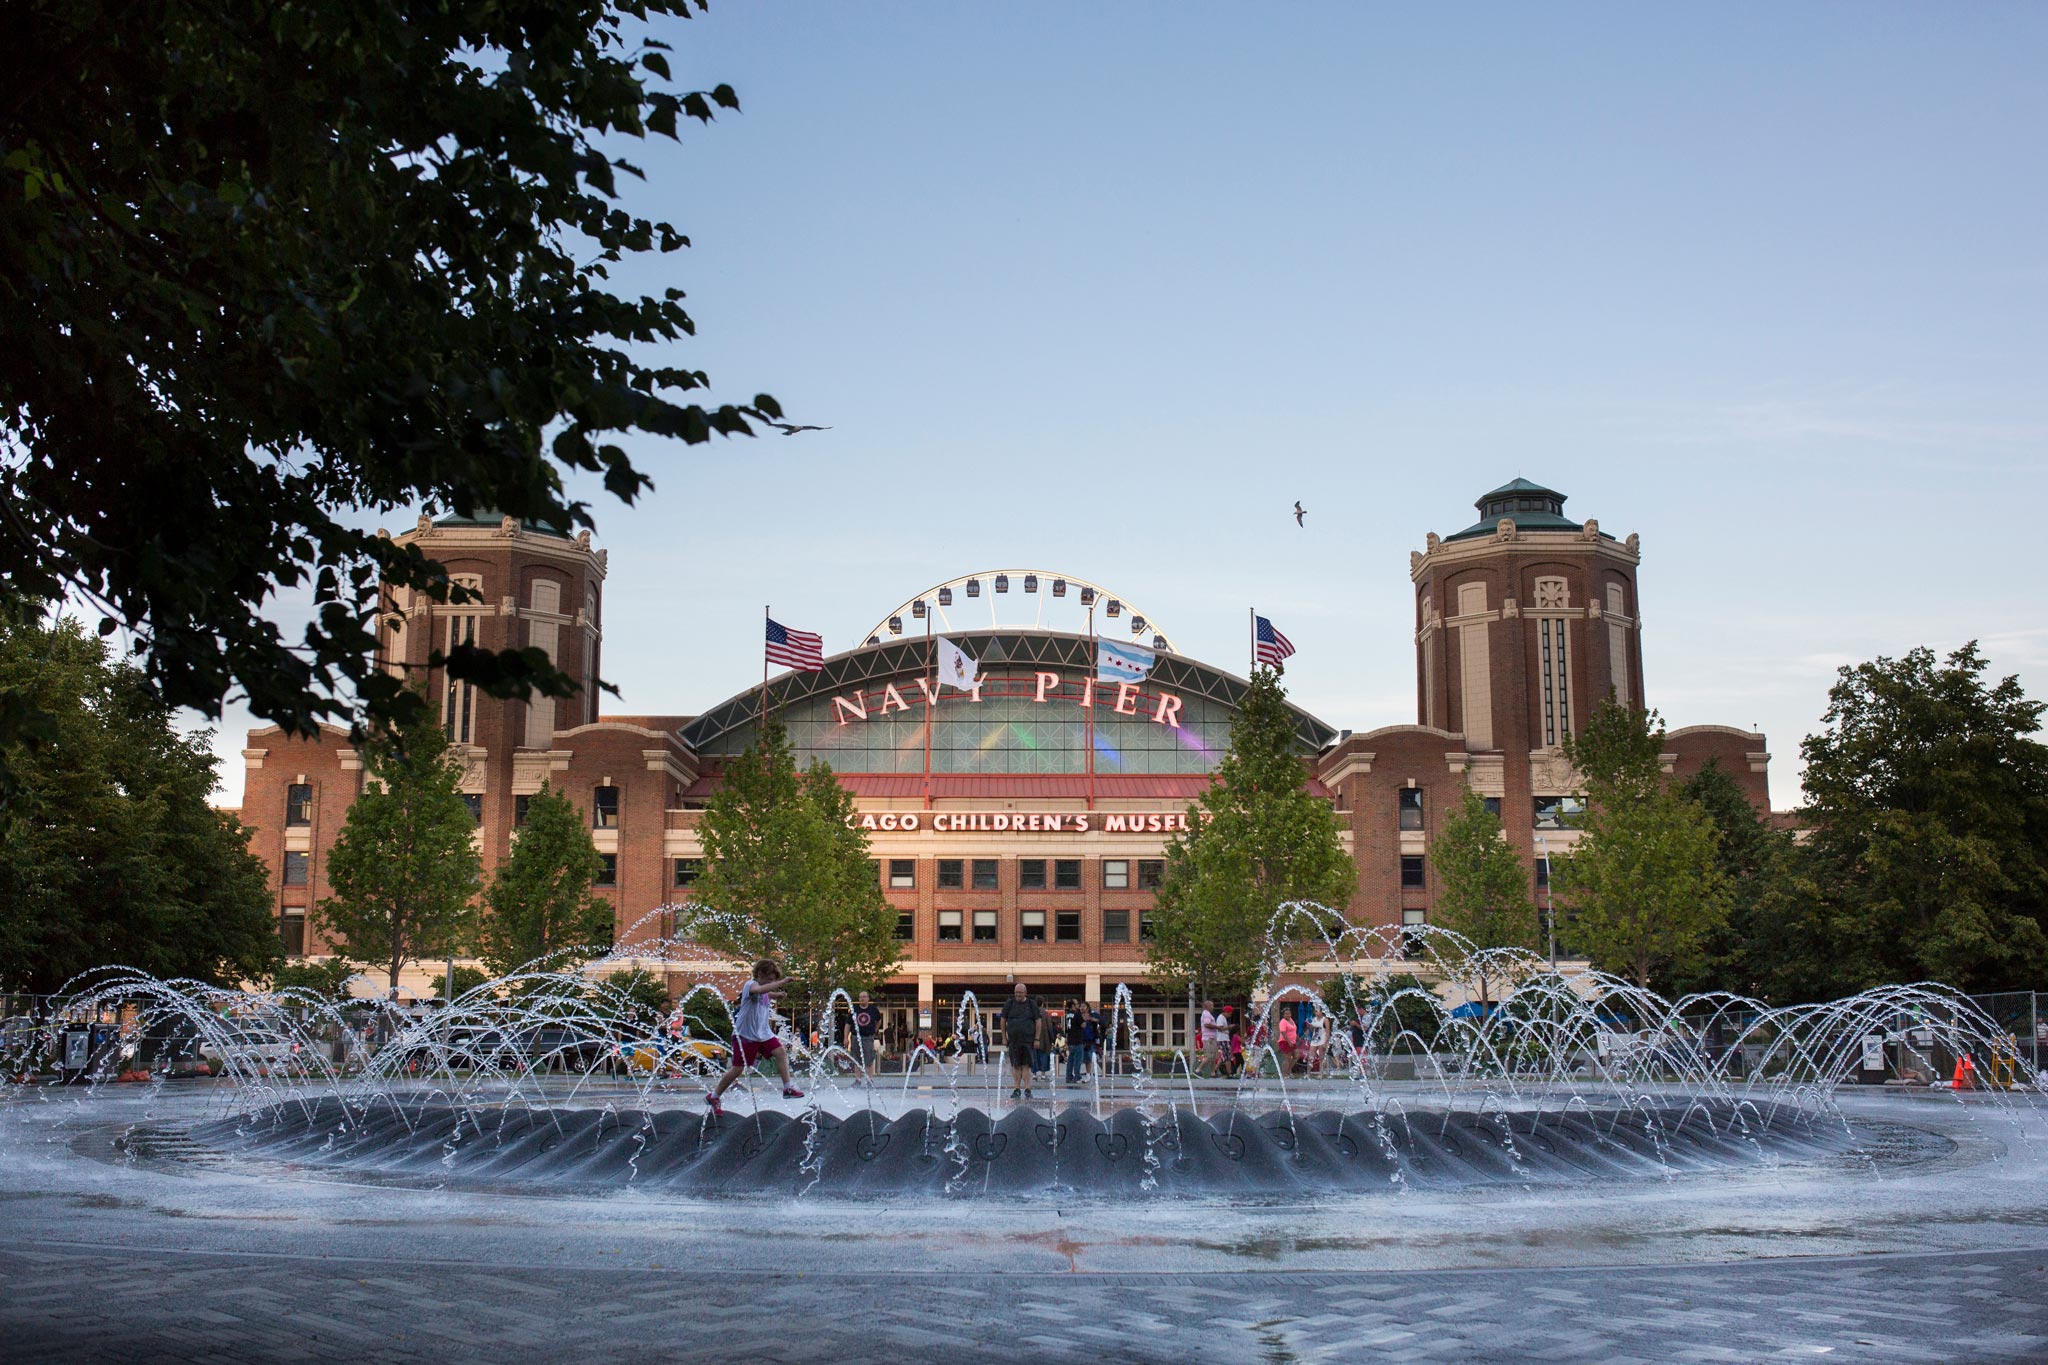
{"points": [[251, 1043]]}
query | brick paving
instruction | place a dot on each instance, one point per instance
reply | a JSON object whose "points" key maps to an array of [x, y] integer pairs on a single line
{"points": [[96, 1303]]}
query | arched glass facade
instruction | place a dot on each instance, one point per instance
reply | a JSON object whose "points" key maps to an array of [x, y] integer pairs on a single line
{"points": [[1007, 730]]}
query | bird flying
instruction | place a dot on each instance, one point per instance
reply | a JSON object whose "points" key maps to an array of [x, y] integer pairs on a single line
{"points": [[792, 428], [1299, 513]]}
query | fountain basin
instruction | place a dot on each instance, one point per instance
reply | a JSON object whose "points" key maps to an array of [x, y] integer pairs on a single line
{"points": [[1023, 1151]]}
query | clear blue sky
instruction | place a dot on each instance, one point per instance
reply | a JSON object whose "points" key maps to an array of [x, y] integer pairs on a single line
{"points": [[1105, 288]]}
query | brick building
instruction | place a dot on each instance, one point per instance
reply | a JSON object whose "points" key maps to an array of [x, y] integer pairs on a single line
{"points": [[1018, 828]]}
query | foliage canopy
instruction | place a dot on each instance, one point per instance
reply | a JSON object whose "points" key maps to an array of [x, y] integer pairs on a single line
{"points": [[269, 269], [109, 851], [786, 875], [404, 868], [1257, 839], [540, 902]]}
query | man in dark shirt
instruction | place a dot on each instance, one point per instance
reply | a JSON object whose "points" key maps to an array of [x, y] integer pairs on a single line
{"points": [[867, 1018], [1020, 1031]]}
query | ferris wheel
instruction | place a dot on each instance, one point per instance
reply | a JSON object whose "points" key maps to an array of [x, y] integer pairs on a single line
{"points": [[1020, 599]]}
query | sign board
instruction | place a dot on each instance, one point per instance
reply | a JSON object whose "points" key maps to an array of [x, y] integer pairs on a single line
{"points": [[1873, 1052], [1023, 822], [77, 1049]]}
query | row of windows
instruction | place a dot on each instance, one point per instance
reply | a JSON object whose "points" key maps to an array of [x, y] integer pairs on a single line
{"points": [[1031, 874], [604, 806], [297, 865], [1552, 812], [1065, 925]]}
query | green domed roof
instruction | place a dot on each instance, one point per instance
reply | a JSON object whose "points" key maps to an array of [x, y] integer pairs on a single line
{"points": [[1531, 506]]}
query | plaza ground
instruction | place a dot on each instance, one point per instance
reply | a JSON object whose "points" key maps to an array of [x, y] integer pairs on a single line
{"points": [[204, 1258]]}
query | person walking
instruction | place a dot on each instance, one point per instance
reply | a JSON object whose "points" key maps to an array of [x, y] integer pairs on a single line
{"points": [[1093, 1033], [1215, 1034], [1020, 1037], [1043, 1039], [867, 1022], [1077, 1042]]}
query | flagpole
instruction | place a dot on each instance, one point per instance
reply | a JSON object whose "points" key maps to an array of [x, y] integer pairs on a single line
{"points": [[931, 696], [1252, 613], [1088, 691], [767, 615]]}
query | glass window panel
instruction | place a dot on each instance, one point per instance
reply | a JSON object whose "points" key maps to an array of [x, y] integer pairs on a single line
{"points": [[1031, 874]]}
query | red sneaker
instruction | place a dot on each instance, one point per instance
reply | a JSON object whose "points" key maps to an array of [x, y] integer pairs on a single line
{"points": [[790, 1092], [711, 1101]]}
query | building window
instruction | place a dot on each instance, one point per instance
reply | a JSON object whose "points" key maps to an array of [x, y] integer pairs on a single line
{"points": [[1411, 941], [984, 926], [1116, 874], [1492, 804], [1557, 693], [688, 870], [1066, 926], [298, 804], [949, 874], [1116, 926], [604, 809], [1411, 808], [458, 703], [1560, 812], [906, 925], [295, 866], [475, 802], [1411, 872], [1066, 874], [1144, 926], [1031, 926], [985, 874], [607, 870], [291, 928], [1031, 874], [902, 873], [949, 926], [519, 807], [1151, 873], [1542, 873]]}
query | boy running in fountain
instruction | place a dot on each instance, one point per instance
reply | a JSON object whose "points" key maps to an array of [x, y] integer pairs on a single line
{"points": [[753, 1027]]}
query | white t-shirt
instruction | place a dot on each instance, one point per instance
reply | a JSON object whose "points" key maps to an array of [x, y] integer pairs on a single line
{"points": [[754, 1020], [1212, 1028]]}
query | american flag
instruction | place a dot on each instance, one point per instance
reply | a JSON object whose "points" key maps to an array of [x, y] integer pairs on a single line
{"points": [[1272, 645], [797, 649]]}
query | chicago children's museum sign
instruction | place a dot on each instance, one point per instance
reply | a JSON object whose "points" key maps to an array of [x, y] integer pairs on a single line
{"points": [[1024, 822]]}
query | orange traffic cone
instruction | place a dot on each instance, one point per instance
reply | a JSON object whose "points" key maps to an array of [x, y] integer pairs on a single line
{"points": [[1970, 1071], [1961, 1064]]}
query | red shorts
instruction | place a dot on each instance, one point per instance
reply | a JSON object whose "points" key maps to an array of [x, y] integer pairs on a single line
{"points": [[751, 1051]]}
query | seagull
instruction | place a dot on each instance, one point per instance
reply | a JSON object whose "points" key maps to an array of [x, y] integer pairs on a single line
{"points": [[792, 428], [1299, 513]]}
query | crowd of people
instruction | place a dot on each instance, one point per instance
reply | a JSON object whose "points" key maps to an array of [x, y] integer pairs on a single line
{"points": [[1040, 1043]]}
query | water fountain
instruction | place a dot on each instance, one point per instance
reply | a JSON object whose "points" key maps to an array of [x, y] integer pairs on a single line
{"points": [[545, 1079]]}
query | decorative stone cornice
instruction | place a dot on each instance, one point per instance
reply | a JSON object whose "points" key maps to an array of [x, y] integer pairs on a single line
{"points": [[1441, 553]]}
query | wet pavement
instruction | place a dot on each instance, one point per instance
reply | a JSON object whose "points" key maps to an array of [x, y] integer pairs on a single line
{"points": [[1926, 1244]]}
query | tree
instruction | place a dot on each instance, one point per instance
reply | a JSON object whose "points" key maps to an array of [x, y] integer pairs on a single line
{"points": [[1927, 795], [404, 867], [1483, 890], [1256, 840], [467, 979], [786, 874], [328, 979], [267, 269], [110, 852], [1641, 887], [541, 904], [1744, 952]]}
